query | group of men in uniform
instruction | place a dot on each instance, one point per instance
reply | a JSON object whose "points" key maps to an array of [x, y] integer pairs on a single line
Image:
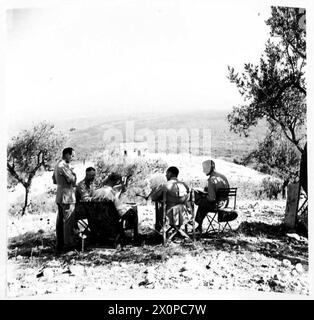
{"points": [[177, 193], [69, 192]]}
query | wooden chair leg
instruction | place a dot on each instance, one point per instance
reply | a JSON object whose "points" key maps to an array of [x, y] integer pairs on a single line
{"points": [[173, 234], [184, 234], [192, 224]]}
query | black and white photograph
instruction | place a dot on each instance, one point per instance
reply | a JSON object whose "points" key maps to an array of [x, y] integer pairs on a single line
{"points": [[155, 149]]}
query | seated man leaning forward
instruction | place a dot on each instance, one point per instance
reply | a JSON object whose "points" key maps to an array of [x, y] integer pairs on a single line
{"points": [[177, 193], [207, 204], [111, 191]]}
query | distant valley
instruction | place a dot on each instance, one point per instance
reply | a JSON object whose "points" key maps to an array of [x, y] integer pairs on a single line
{"points": [[86, 135]]}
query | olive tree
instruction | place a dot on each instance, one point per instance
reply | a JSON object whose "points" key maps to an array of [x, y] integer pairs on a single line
{"points": [[275, 155], [275, 89], [31, 152]]}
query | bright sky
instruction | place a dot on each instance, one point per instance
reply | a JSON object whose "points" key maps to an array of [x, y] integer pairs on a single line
{"points": [[74, 58]]}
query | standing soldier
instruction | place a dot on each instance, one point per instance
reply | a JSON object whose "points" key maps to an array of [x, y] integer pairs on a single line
{"points": [[65, 178]]}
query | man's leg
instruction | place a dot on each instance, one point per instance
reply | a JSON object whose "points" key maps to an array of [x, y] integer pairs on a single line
{"points": [[134, 219], [131, 221], [204, 207], [68, 224], [59, 229], [159, 218], [135, 222]]}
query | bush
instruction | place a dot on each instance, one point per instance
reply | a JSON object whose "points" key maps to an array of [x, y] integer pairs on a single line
{"points": [[270, 188], [15, 209], [141, 174], [52, 191], [238, 161], [263, 168], [39, 204], [11, 182]]}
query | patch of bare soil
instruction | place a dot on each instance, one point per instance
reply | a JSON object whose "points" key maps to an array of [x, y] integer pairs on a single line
{"points": [[257, 255]]}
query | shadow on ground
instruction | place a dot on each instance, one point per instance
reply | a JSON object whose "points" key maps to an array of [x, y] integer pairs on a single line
{"points": [[42, 246], [261, 229], [269, 240], [266, 239], [31, 244]]}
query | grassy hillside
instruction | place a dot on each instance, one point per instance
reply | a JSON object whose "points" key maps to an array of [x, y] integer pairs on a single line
{"points": [[225, 144]]}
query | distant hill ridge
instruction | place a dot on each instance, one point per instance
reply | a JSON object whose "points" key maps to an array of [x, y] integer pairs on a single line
{"points": [[225, 144]]}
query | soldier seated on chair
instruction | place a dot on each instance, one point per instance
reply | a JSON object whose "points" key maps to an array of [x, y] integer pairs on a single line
{"points": [[208, 203], [177, 193], [86, 187], [112, 191], [84, 193]]}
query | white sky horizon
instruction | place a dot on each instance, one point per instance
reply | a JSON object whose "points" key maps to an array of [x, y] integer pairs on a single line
{"points": [[73, 59]]}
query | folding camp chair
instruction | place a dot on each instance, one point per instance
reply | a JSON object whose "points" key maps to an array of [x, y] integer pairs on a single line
{"points": [[169, 230], [100, 222], [81, 219], [219, 219]]}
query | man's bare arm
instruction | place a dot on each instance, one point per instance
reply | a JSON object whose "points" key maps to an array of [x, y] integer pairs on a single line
{"points": [[156, 195]]}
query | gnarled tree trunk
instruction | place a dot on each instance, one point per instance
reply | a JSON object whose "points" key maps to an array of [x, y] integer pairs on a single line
{"points": [[27, 190]]}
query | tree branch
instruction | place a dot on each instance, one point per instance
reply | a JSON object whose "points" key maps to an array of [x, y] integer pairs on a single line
{"points": [[298, 86], [14, 174], [302, 55], [33, 172]]}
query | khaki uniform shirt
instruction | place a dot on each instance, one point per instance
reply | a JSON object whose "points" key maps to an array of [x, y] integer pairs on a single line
{"points": [[176, 192], [65, 179], [84, 191], [216, 181]]}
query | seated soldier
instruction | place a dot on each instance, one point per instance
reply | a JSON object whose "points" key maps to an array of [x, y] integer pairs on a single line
{"points": [[208, 203], [111, 191], [86, 188], [177, 193], [83, 193]]}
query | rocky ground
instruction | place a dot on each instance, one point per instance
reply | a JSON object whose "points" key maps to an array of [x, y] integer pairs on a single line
{"points": [[258, 255]]}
